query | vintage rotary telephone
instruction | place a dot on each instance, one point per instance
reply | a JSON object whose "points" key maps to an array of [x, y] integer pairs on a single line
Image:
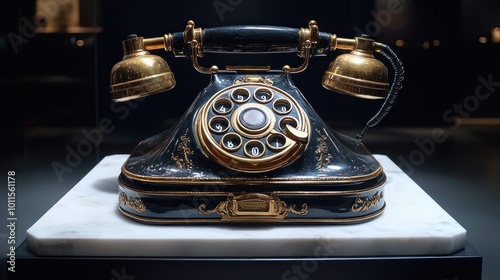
{"points": [[251, 148]]}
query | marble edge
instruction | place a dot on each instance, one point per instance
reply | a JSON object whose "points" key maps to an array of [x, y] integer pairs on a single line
{"points": [[53, 245], [354, 247]]}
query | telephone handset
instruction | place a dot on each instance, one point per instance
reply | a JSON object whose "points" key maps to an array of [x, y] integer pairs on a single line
{"points": [[251, 148]]}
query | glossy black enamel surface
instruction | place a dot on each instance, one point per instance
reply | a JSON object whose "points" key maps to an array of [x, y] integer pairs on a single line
{"points": [[350, 158], [170, 191], [323, 207], [250, 39]]}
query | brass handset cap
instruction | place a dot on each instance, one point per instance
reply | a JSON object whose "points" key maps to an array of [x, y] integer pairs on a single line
{"points": [[358, 74], [139, 73]]}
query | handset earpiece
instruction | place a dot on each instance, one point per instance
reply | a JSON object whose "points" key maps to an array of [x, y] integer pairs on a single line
{"points": [[139, 73]]}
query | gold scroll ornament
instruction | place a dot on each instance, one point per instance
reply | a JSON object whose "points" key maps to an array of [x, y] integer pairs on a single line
{"points": [[253, 206]]}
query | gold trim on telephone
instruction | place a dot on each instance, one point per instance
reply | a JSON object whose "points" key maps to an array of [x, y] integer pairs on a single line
{"points": [[269, 129], [251, 149]]}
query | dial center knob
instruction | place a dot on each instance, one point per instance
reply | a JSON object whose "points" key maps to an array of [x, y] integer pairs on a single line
{"points": [[253, 118]]}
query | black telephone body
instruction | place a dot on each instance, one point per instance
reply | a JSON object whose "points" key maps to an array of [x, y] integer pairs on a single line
{"points": [[250, 148]]}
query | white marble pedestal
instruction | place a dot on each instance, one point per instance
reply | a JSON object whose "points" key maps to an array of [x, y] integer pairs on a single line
{"points": [[86, 222]]}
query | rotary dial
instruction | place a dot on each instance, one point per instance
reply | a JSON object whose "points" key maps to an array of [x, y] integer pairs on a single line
{"points": [[252, 128]]}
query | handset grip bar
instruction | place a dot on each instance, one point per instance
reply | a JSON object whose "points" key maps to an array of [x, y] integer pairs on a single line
{"points": [[249, 39], [256, 39]]}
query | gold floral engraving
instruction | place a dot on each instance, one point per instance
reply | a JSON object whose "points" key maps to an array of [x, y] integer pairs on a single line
{"points": [[134, 203], [323, 157], [363, 205], [253, 206], [182, 153]]}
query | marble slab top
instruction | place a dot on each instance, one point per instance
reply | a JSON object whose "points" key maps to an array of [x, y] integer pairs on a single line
{"points": [[87, 222]]}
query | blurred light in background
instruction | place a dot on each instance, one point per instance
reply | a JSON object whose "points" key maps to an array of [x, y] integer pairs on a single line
{"points": [[495, 35], [426, 44]]}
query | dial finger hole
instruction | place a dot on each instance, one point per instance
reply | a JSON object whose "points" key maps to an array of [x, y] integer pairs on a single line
{"points": [[254, 149], [276, 142], [219, 125], [263, 95], [240, 95], [231, 142], [223, 106], [282, 106], [288, 121]]}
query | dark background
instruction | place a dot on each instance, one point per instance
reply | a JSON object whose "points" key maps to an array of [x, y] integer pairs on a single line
{"points": [[40, 77], [52, 89]]}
